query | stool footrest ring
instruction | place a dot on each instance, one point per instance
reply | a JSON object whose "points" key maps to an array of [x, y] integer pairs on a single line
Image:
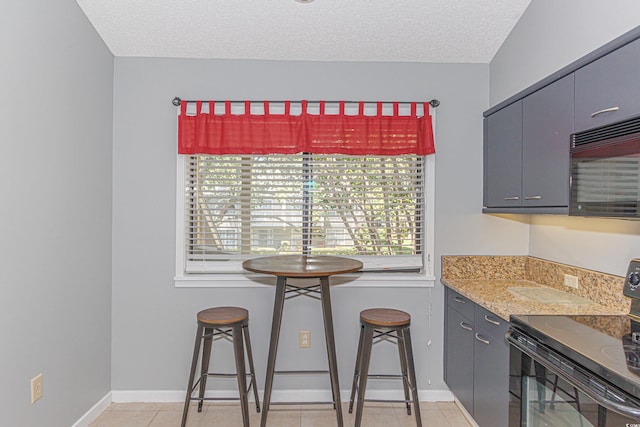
{"points": [[300, 372]]}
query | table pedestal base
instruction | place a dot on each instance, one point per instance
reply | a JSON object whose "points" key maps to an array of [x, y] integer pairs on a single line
{"points": [[325, 298]]}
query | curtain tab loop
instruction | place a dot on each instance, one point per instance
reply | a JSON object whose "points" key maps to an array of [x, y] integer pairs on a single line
{"points": [[414, 110], [212, 107], [379, 109], [287, 108], [304, 107], [266, 108], [361, 108], [342, 108], [183, 108], [322, 109], [198, 108], [395, 109], [247, 108], [227, 107]]}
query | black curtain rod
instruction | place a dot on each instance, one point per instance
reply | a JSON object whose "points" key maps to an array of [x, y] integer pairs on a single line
{"points": [[434, 102]]}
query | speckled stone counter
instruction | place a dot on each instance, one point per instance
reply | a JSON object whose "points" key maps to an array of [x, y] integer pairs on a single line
{"points": [[486, 280]]}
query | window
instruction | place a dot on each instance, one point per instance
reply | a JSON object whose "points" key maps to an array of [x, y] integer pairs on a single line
{"points": [[304, 177], [235, 207]]}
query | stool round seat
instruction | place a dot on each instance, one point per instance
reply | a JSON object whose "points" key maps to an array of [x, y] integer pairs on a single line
{"points": [[385, 317], [222, 315]]}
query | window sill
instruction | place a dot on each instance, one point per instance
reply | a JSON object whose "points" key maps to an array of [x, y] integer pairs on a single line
{"points": [[360, 280]]}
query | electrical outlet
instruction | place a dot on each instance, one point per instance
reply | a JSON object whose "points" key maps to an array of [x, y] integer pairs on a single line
{"points": [[571, 281], [304, 339], [36, 388]]}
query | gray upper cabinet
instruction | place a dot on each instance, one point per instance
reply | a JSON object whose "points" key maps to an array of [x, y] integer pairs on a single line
{"points": [[547, 123], [503, 157], [526, 149], [527, 137], [607, 89]]}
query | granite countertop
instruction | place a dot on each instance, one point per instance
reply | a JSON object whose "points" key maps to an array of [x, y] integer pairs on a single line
{"points": [[495, 296]]}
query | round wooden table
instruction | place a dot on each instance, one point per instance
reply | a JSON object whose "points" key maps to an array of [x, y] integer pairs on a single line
{"points": [[302, 266]]}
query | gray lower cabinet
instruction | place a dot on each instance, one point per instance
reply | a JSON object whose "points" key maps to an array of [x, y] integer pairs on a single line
{"points": [[459, 357], [607, 89], [477, 360], [490, 370]]}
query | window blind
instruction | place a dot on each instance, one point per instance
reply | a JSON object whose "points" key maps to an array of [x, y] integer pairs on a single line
{"points": [[242, 206]]}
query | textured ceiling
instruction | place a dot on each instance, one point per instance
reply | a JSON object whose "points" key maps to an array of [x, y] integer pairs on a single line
{"points": [[468, 31]]}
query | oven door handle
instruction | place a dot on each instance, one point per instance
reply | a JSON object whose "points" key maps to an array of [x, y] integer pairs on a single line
{"points": [[631, 411]]}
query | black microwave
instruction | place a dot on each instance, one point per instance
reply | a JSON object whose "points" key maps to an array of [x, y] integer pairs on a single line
{"points": [[605, 171]]}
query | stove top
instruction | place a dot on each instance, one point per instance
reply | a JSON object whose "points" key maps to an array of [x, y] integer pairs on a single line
{"points": [[608, 346]]}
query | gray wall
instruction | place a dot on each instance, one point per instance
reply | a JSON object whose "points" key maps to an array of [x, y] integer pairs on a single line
{"points": [[551, 35], [55, 222], [154, 322]]}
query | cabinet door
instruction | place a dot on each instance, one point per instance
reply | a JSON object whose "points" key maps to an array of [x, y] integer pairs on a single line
{"points": [[491, 378], [459, 352], [547, 124], [461, 304], [503, 157], [609, 83]]}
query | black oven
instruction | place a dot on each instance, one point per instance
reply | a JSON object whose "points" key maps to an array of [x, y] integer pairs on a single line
{"points": [[577, 370], [605, 171], [551, 386]]}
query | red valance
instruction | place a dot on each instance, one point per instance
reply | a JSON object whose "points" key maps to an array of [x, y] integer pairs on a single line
{"points": [[210, 133]]}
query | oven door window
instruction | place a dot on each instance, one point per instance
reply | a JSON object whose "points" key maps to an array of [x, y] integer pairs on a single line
{"points": [[548, 400]]}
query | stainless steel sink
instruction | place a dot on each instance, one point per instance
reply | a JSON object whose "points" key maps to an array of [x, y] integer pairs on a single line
{"points": [[549, 295]]}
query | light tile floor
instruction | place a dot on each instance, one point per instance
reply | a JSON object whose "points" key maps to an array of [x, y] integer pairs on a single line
{"points": [[434, 414]]}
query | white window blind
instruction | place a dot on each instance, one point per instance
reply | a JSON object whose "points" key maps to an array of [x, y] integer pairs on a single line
{"points": [[365, 207]]}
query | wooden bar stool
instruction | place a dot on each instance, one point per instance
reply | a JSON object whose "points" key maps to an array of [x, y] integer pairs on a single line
{"points": [[385, 324], [222, 323]]}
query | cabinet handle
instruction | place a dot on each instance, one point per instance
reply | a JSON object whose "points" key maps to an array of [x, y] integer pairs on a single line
{"points": [[465, 326], [482, 340], [533, 198], [460, 300], [512, 198], [606, 110], [490, 320]]}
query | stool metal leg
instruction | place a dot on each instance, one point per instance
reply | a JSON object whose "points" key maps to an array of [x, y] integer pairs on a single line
{"points": [[331, 346], [194, 365], [273, 346], [364, 370], [356, 372], [238, 349], [403, 368], [252, 371], [408, 349], [204, 369]]}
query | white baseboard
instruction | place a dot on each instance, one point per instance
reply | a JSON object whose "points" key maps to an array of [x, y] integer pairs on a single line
{"points": [[466, 413], [94, 412], [128, 396]]}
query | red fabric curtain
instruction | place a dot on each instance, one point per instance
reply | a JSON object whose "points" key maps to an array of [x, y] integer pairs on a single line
{"points": [[210, 133]]}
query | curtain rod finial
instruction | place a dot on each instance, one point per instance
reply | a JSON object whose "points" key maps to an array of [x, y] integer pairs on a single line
{"points": [[176, 101], [434, 103]]}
